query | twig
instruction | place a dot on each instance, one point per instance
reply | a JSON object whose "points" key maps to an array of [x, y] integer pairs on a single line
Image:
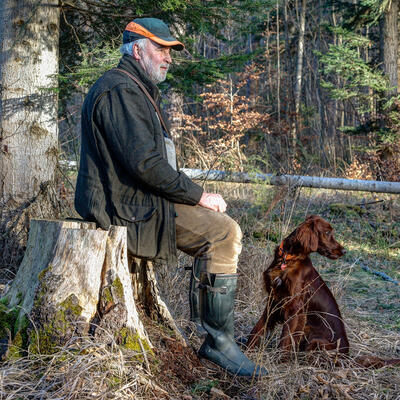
{"points": [[146, 360], [369, 203], [152, 385], [90, 11]]}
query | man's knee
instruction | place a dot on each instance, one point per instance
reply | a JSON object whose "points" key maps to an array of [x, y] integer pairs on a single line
{"points": [[234, 230], [226, 252], [233, 237]]}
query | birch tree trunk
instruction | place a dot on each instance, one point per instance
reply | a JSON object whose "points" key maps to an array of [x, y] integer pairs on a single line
{"points": [[299, 73], [278, 67], [28, 112]]}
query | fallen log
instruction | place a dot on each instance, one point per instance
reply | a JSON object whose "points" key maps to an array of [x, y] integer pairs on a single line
{"points": [[295, 180], [75, 281]]}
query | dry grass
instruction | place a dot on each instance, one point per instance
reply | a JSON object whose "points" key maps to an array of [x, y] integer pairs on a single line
{"points": [[80, 370], [370, 306]]}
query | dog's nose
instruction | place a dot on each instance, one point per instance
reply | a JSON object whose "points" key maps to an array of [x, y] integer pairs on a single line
{"points": [[343, 251]]}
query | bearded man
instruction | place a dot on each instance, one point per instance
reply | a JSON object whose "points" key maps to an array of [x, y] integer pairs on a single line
{"points": [[128, 176]]}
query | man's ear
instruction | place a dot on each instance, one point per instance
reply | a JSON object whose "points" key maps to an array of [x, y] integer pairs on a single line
{"points": [[136, 52], [307, 236]]}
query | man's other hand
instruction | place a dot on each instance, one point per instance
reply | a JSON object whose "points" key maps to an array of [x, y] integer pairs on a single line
{"points": [[213, 201]]}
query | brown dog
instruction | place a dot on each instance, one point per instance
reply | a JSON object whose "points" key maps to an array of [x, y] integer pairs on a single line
{"points": [[299, 298]]}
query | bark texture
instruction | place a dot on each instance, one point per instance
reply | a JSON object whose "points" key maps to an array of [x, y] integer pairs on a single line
{"points": [[145, 290], [74, 280], [117, 308], [390, 44], [28, 119], [299, 72]]}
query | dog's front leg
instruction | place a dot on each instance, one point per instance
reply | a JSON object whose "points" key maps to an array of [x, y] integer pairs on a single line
{"points": [[265, 324], [293, 327]]}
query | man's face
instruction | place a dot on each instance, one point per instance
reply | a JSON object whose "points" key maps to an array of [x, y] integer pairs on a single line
{"points": [[155, 60]]}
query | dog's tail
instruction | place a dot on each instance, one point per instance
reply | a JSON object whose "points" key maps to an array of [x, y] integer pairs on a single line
{"points": [[373, 362]]}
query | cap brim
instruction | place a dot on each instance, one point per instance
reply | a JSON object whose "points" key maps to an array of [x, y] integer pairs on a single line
{"points": [[168, 41], [175, 44]]}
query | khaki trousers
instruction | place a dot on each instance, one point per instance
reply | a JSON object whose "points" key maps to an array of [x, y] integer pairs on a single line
{"points": [[210, 236]]}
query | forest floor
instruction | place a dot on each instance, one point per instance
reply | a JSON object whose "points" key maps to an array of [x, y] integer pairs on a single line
{"points": [[367, 224]]}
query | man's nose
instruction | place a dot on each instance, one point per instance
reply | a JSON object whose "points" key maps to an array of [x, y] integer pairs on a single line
{"points": [[168, 58]]}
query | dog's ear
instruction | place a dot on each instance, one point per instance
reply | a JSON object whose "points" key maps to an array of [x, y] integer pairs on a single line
{"points": [[307, 235]]}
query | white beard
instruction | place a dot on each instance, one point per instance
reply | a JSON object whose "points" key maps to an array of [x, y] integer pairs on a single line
{"points": [[157, 75]]}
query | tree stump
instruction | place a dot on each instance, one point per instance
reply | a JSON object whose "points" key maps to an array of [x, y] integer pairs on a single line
{"points": [[74, 281], [145, 290]]}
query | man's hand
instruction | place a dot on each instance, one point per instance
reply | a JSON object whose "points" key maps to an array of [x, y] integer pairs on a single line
{"points": [[213, 201]]}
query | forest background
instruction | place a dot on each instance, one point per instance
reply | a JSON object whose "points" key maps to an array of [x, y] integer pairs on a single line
{"points": [[305, 86]]}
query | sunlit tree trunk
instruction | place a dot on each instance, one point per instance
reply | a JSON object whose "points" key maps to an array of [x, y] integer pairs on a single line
{"points": [[288, 65], [174, 109], [278, 66], [299, 71], [28, 110]]}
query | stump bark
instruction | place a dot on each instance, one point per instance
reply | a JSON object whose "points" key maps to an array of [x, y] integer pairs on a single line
{"points": [[75, 281]]}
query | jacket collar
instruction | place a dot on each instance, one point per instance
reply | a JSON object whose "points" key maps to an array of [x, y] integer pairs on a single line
{"points": [[128, 63]]}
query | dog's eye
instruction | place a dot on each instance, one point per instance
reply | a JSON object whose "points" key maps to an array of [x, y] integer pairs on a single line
{"points": [[327, 233]]}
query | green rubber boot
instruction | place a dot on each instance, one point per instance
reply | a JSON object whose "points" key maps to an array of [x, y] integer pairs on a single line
{"points": [[194, 296], [217, 293]]}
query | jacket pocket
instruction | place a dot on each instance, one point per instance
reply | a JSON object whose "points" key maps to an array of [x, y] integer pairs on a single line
{"points": [[143, 227], [132, 213]]}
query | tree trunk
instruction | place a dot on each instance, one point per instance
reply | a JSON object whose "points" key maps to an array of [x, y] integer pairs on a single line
{"points": [[390, 45], [74, 281], [174, 111], [116, 308], [299, 73], [28, 112], [145, 290], [278, 68]]}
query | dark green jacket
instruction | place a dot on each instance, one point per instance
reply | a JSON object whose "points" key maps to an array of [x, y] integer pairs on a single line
{"points": [[124, 176]]}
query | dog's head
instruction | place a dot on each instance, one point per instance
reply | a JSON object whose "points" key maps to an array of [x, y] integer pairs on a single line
{"points": [[314, 234]]}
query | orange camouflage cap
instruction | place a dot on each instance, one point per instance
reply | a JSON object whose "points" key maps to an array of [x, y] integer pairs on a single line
{"points": [[151, 28]]}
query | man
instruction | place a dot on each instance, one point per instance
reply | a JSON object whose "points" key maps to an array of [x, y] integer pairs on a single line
{"points": [[128, 176]]}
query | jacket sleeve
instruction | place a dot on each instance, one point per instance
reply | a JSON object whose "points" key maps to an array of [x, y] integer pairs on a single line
{"points": [[123, 116]]}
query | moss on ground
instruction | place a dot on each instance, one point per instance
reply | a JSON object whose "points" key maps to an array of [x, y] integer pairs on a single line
{"points": [[132, 341], [18, 346], [13, 327]]}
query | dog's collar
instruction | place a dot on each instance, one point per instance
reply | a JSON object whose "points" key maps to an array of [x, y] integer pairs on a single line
{"points": [[286, 256]]}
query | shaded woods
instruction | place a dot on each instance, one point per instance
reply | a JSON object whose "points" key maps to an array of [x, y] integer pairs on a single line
{"points": [[307, 87]]}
